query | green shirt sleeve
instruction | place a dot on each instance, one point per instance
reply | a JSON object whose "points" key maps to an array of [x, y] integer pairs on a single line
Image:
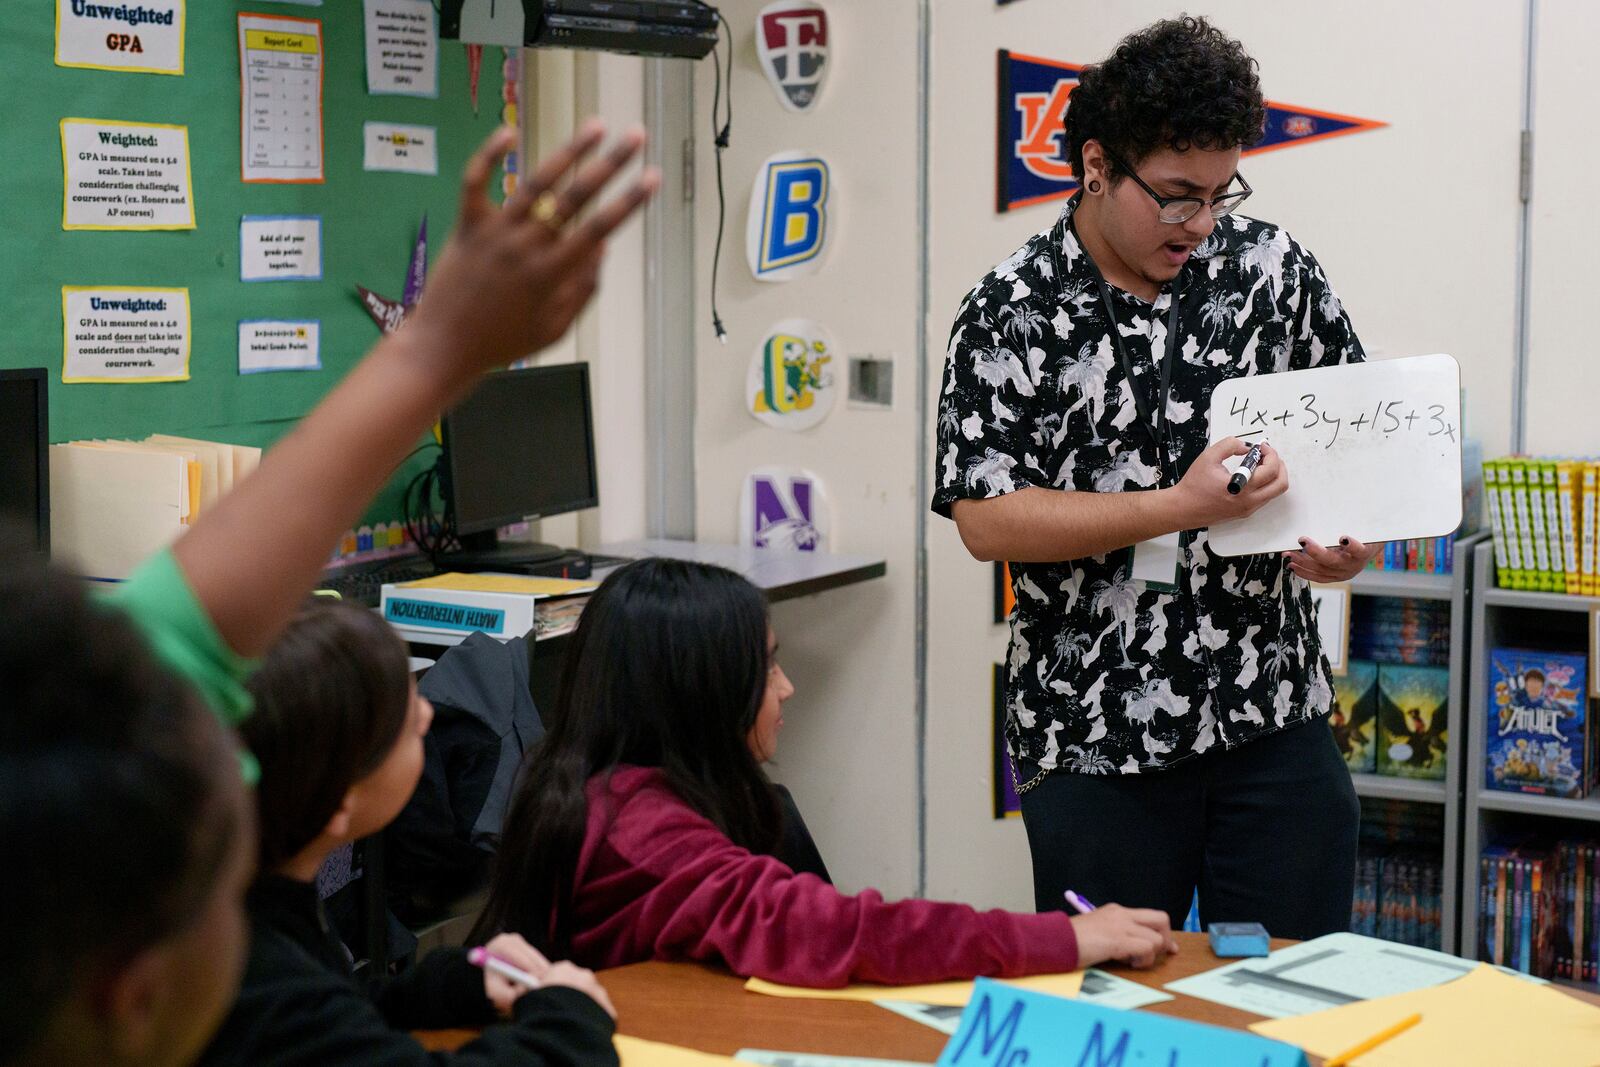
{"points": [[158, 600]]}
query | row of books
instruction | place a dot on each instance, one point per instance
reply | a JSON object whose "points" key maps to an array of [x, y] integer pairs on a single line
{"points": [[1539, 909], [1430, 555], [1401, 630], [1543, 512], [1398, 898], [1541, 737], [1391, 718]]}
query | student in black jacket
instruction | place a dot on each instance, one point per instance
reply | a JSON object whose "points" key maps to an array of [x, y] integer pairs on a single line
{"points": [[338, 730]]}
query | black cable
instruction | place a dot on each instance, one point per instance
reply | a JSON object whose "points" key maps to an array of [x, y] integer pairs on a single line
{"points": [[720, 140]]}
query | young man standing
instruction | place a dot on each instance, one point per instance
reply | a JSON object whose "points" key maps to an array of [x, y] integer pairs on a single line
{"points": [[1166, 705]]}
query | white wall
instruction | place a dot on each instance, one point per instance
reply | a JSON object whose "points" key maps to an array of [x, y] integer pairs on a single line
{"points": [[848, 743], [1415, 224], [560, 90], [1563, 371]]}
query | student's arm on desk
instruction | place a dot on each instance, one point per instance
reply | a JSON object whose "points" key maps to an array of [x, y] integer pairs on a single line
{"points": [[1035, 525], [506, 285]]}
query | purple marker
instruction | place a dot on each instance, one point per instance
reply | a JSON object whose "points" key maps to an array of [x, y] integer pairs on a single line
{"points": [[1079, 904]]}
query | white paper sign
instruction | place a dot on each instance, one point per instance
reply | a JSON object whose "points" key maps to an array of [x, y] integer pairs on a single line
{"points": [[125, 176], [146, 36], [788, 223], [280, 121], [402, 47], [790, 380], [275, 248], [784, 508], [275, 344], [407, 149], [121, 334]]}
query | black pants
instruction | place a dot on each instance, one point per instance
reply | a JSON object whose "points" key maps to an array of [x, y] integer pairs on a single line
{"points": [[1266, 832]]}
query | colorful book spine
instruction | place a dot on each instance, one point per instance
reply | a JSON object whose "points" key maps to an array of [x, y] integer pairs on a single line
{"points": [[1587, 502], [1525, 487], [1497, 524], [1519, 543], [1567, 504], [1550, 502], [1500, 874]]}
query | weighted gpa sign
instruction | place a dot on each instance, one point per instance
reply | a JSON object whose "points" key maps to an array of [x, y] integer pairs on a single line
{"points": [[1008, 1027]]}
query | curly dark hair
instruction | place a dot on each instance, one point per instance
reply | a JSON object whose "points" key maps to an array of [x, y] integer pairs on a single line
{"points": [[1180, 83]]}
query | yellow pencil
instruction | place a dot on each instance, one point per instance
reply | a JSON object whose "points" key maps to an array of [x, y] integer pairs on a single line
{"points": [[1372, 1042]]}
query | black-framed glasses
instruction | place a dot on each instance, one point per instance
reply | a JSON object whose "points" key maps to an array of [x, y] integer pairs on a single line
{"points": [[1176, 209]]}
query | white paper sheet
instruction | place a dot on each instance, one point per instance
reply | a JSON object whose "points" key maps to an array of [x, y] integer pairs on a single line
{"points": [[119, 334], [146, 37], [280, 122], [277, 344], [125, 176], [396, 147], [402, 47], [1323, 973], [276, 248]]}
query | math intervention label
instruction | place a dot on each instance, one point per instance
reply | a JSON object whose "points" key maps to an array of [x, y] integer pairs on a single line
{"points": [[115, 334], [125, 176], [436, 616]]}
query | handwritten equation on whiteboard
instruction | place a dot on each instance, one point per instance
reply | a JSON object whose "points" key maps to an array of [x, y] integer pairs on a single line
{"points": [[1312, 413], [1373, 452]]}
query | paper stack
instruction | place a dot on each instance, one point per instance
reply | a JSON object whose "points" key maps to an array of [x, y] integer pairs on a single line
{"points": [[113, 503]]}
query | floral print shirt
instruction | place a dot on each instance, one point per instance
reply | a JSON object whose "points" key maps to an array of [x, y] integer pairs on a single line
{"points": [[1105, 675]]}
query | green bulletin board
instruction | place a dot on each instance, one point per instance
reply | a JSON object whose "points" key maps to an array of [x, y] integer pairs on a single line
{"points": [[369, 220]]}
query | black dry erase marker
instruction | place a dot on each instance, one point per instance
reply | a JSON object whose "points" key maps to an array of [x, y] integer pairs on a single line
{"points": [[1247, 467]]}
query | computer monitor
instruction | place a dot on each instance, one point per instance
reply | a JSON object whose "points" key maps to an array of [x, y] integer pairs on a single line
{"points": [[521, 446], [24, 463]]}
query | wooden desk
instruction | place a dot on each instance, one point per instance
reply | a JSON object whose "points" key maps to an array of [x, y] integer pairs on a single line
{"points": [[707, 1008]]}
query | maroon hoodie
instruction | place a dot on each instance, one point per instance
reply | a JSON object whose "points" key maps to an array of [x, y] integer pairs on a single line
{"points": [[656, 880]]}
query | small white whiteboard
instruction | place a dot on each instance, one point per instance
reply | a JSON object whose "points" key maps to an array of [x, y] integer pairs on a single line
{"points": [[1373, 451]]}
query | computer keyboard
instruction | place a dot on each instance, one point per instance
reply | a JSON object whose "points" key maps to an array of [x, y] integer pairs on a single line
{"points": [[364, 584]]}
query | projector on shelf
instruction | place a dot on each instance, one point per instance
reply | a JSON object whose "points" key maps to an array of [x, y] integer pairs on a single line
{"points": [[681, 29]]}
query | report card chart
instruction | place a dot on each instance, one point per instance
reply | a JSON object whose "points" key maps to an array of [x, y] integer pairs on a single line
{"points": [[1373, 452], [280, 108]]}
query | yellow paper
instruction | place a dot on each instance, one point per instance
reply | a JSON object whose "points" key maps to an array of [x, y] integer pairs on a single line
{"points": [[503, 583], [1485, 1017], [637, 1052], [945, 994]]}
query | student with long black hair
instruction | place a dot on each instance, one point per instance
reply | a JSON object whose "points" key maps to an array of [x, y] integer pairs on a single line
{"points": [[337, 728], [643, 826]]}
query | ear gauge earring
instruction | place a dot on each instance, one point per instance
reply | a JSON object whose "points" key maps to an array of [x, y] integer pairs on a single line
{"points": [[1094, 186]]}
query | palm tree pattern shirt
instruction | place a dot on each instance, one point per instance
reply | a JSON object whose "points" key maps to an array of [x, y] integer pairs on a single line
{"points": [[1105, 675]]}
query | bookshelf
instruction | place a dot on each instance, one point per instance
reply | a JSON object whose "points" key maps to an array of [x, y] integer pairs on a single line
{"points": [[1457, 589], [1516, 617]]}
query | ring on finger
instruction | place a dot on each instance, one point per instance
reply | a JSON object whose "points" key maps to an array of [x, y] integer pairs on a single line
{"points": [[547, 210]]}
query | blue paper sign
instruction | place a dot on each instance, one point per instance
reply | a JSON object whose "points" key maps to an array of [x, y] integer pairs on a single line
{"points": [[1008, 1027]]}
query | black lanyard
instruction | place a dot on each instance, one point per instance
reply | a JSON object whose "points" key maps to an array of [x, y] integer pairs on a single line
{"points": [[1155, 425]]}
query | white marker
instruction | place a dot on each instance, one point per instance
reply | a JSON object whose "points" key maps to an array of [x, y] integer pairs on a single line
{"points": [[482, 957]]}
